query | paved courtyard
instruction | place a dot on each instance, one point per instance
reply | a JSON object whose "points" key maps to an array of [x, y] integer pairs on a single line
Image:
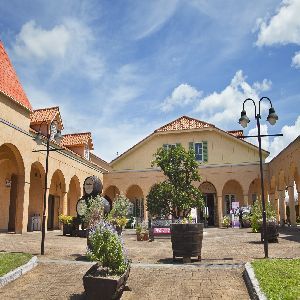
{"points": [[153, 274]]}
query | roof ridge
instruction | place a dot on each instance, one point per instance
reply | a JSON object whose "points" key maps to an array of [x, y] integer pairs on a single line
{"points": [[53, 107], [76, 133]]}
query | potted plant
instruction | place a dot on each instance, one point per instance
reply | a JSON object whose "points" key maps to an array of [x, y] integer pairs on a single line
{"points": [[107, 278], [226, 221], [117, 215], [246, 220], [176, 196], [67, 222], [142, 232]]}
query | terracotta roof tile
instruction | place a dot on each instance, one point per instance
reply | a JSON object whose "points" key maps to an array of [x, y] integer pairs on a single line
{"points": [[43, 115], [77, 139], [9, 82], [236, 133], [184, 123]]}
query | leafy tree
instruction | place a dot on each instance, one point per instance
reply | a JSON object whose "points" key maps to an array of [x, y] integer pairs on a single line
{"points": [[176, 195]]}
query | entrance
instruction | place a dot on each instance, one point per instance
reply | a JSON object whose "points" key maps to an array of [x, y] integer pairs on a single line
{"points": [[13, 204], [207, 215], [53, 207]]}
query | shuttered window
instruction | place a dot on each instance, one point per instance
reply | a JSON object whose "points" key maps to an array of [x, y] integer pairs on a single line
{"points": [[169, 146], [201, 150]]}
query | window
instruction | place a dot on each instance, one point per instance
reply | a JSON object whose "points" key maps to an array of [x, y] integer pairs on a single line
{"points": [[169, 146], [254, 197], [228, 202], [201, 150]]}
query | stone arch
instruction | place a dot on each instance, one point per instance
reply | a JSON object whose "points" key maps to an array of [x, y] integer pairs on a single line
{"points": [[232, 192], [136, 196], [111, 193], [210, 198], [73, 195], [56, 200], [36, 195], [12, 181]]}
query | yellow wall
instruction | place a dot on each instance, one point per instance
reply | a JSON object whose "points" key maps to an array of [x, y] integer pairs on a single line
{"points": [[222, 149]]}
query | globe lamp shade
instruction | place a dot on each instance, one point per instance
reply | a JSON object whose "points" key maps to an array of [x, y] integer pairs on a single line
{"points": [[272, 117], [58, 137], [38, 138], [244, 120]]}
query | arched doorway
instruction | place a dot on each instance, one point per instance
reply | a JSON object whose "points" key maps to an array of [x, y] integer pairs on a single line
{"points": [[232, 194], [73, 195], [209, 214], [12, 180], [56, 199], [254, 192], [135, 195], [36, 195]]}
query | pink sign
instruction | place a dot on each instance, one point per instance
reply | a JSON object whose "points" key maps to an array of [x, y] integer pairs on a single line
{"points": [[162, 230]]}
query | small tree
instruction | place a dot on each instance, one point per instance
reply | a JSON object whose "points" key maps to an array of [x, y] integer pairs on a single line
{"points": [[176, 195], [119, 212], [94, 211]]}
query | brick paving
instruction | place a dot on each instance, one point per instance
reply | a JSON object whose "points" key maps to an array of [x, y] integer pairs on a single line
{"points": [[153, 274]]}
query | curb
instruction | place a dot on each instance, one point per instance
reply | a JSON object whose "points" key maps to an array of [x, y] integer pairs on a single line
{"points": [[16, 273], [252, 284]]}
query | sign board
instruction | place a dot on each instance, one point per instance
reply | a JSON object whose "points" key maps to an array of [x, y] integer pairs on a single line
{"points": [[235, 205], [162, 230]]}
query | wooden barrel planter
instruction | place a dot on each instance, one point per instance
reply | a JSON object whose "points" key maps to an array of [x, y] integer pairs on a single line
{"points": [[272, 232], [187, 240]]}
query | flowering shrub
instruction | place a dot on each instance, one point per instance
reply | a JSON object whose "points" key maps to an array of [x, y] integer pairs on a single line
{"points": [[64, 219], [226, 221], [94, 211], [106, 248], [117, 215]]}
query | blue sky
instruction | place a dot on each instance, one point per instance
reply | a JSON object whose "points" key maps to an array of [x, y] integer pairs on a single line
{"points": [[121, 69]]}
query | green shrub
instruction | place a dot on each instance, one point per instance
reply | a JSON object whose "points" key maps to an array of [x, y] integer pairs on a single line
{"points": [[64, 219], [94, 211], [226, 221], [256, 215], [106, 248]]}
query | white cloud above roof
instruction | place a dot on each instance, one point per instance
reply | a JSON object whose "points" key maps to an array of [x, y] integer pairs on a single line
{"points": [[182, 95], [283, 28], [296, 60]]}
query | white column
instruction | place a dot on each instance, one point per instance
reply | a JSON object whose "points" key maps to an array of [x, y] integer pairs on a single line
{"points": [[292, 205], [282, 211], [220, 210]]}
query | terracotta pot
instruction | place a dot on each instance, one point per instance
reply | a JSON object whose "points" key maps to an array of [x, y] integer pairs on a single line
{"points": [[97, 287]]}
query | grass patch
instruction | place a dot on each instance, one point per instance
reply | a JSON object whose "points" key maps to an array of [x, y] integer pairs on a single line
{"points": [[10, 261], [278, 278]]}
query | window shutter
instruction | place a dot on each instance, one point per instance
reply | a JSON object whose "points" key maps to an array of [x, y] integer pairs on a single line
{"points": [[165, 146], [191, 146], [205, 151]]}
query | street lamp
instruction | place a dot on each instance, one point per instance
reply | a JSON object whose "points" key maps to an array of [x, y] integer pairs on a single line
{"points": [[244, 120], [39, 140]]}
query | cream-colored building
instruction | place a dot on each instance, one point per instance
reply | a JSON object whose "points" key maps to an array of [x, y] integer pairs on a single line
{"points": [[228, 165], [22, 167]]}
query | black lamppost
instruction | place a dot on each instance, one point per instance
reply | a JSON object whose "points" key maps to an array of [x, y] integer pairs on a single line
{"points": [[244, 120], [39, 140]]}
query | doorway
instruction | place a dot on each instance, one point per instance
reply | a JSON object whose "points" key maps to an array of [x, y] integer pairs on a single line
{"points": [[13, 204], [53, 211]]}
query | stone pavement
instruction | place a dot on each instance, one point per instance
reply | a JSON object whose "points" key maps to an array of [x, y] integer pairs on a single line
{"points": [[153, 274]]}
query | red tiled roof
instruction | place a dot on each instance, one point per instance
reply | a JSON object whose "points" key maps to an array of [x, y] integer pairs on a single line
{"points": [[184, 123], [236, 133], [9, 82], [43, 115], [77, 139]]}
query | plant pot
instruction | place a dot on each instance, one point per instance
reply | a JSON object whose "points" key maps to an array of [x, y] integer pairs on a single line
{"points": [[139, 237], [187, 240], [272, 232], [145, 236], [105, 288], [67, 229]]}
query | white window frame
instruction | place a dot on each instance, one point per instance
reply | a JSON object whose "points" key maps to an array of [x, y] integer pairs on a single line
{"points": [[195, 143], [169, 146], [86, 152]]}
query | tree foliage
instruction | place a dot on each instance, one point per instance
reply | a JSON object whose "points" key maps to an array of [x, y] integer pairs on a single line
{"points": [[176, 195]]}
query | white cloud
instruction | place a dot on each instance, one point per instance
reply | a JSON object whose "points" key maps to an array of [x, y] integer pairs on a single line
{"points": [[222, 108], [282, 28], [34, 41], [182, 95], [143, 24], [265, 143], [65, 47], [296, 60], [280, 142]]}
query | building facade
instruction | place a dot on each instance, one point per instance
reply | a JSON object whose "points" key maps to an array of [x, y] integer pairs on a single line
{"points": [[228, 165], [22, 164]]}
